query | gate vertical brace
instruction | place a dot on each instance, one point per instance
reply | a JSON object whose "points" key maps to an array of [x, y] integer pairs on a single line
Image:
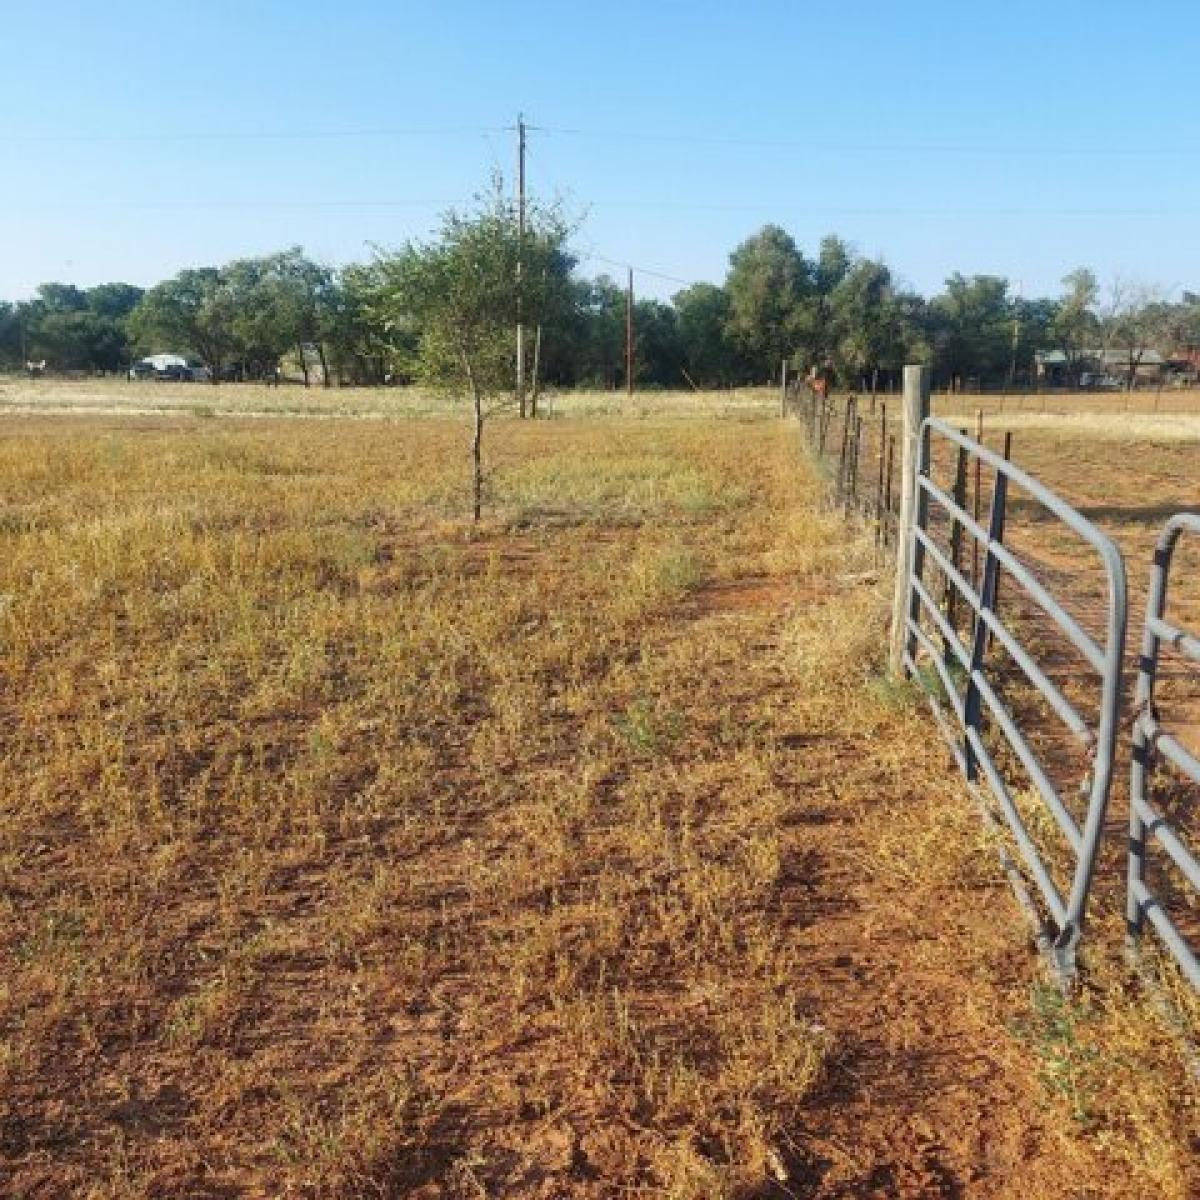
{"points": [[987, 603], [1156, 606], [950, 593]]}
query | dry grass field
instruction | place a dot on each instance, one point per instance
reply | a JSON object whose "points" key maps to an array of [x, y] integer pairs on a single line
{"points": [[347, 850], [21, 396]]}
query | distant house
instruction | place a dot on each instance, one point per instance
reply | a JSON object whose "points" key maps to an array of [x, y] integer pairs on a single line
{"points": [[1052, 368], [1183, 364], [1148, 365]]}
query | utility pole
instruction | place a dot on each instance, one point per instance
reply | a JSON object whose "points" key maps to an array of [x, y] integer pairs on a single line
{"points": [[629, 336], [520, 260]]}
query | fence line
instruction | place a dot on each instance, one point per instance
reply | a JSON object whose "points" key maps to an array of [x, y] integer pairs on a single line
{"points": [[970, 658], [865, 443]]}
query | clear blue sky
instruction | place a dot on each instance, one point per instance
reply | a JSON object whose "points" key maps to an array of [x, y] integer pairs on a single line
{"points": [[1010, 137]]}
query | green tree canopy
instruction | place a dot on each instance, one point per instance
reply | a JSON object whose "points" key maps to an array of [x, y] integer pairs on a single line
{"points": [[768, 281], [711, 357], [971, 327], [192, 313]]}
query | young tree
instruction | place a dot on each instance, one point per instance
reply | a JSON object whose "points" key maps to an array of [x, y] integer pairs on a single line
{"points": [[461, 293]]}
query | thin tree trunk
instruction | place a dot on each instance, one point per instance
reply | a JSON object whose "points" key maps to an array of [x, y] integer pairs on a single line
{"points": [[303, 362], [476, 441], [324, 365]]}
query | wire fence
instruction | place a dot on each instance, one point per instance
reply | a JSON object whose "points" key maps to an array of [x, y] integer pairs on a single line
{"points": [[1014, 625], [853, 440]]}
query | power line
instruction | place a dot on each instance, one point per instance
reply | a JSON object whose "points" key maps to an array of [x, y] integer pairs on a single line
{"points": [[838, 210], [783, 209], [628, 266], [120, 205], [230, 135], [768, 143], [641, 135]]}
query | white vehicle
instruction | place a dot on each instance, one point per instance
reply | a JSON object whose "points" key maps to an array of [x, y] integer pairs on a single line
{"points": [[170, 368], [1101, 382]]}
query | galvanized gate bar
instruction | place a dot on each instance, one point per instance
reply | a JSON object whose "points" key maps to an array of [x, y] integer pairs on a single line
{"points": [[1083, 643], [1150, 739], [1061, 705], [979, 697], [1180, 640]]}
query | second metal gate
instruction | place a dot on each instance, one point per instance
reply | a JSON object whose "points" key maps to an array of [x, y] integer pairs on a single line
{"points": [[965, 696]]}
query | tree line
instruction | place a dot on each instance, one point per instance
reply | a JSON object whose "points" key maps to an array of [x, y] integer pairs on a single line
{"points": [[832, 311]]}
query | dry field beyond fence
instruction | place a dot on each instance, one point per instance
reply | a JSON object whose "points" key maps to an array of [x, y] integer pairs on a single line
{"points": [[346, 851]]}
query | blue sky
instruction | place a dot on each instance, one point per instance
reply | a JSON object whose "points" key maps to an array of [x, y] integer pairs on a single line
{"points": [[1016, 138]]}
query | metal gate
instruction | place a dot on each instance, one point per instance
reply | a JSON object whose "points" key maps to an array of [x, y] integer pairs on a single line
{"points": [[1151, 742], [969, 709]]}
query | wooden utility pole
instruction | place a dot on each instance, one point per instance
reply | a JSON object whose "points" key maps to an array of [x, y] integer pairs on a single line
{"points": [[908, 551], [520, 260], [629, 336]]}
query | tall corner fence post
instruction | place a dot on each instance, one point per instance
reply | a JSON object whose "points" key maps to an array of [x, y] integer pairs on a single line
{"points": [[914, 412]]}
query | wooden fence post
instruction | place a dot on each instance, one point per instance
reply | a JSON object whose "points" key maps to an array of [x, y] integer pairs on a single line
{"points": [[783, 386], [913, 414]]}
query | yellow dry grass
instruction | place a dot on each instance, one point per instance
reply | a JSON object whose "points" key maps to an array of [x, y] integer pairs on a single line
{"points": [[103, 396], [347, 850]]}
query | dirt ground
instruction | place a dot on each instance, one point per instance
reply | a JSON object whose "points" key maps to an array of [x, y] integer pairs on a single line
{"points": [[350, 853]]}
